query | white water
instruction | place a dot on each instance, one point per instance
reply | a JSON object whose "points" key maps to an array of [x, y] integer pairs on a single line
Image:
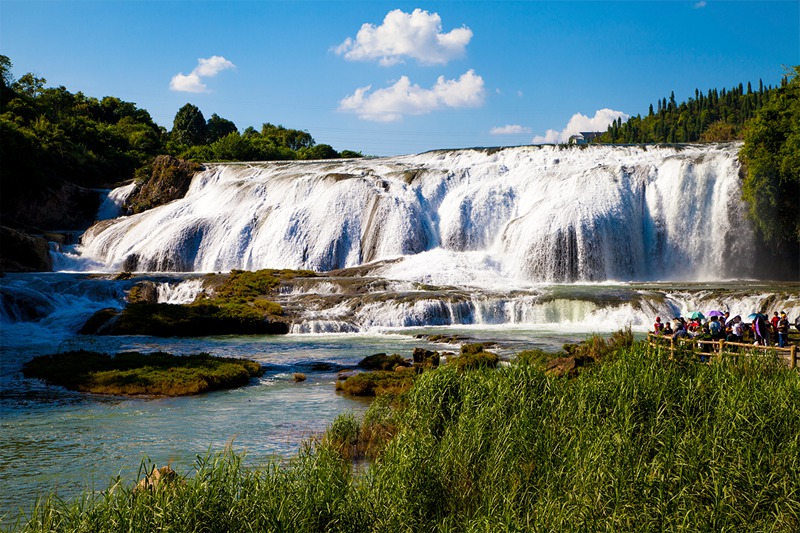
{"points": [[527, 214]]}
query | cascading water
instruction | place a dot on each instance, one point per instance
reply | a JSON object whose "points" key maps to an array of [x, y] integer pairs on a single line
{"points": [[540, 214]]}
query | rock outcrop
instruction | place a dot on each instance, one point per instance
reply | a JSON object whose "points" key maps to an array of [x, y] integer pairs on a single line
{"points": [[169, 180], [21, 252]]}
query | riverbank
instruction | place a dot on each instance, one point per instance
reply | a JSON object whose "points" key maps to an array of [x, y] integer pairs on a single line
{"points": [[641, 441]]}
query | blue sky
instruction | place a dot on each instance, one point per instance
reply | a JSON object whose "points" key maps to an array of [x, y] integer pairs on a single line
{"points": [[390, 78]]}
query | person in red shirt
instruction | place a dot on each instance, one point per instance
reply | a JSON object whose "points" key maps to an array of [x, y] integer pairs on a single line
{"points": [[657, 326], [775, 320]]}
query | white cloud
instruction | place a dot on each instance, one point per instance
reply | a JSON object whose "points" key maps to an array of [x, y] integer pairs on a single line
{"points": [[206, 68], [701, 4], [417, 35], [600, 122], [510, 129], [188, 83], [392, 103]]}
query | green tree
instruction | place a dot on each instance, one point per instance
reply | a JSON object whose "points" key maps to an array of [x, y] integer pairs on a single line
{"points": [[318, 151], [29, 85], [288, 138], [218, 127], [189, 126], [5, 71], [771, 154]]}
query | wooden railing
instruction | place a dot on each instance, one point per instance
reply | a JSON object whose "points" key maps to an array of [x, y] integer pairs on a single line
{"points": [[721, 347]]}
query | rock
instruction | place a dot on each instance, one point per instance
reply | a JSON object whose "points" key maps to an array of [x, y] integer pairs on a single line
{"points": [[566, 365], [144, 292], [22, 252], [381, 361], [61, 206], [299, 377], [158, 478], [169, 180], [100, 322], [420, 354]]}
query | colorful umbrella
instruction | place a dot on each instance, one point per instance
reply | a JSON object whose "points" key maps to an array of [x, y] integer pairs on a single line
{"points": [[716, 313], [753, 316], [696, 315]]}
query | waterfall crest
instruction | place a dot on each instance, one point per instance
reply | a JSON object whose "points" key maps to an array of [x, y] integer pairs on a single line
{"points": [[543, 214]]}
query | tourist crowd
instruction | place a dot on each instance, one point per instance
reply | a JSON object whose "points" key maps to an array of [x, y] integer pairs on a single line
{"points": [[758, 329]]}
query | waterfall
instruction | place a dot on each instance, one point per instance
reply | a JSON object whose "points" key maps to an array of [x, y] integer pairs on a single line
{"points": [[535, 214]]}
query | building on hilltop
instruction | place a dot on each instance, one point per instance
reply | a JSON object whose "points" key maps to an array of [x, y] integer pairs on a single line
{"points": [[584, 137]]}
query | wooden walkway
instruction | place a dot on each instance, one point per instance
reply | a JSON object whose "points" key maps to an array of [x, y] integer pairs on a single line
{"points": [[721, 347]]}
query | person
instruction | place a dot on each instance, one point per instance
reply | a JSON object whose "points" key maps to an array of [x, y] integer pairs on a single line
{"points": [[680, 329], [737, 330], [760, 330], [783, 330], [714, 327], [667, 329], [774, 321], [658, 326]]}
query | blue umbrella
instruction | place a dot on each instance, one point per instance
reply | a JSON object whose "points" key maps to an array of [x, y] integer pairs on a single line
{"points": [[696, 315], [753, 316]]}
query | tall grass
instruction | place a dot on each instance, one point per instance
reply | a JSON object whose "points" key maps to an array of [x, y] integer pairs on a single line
{"points": [[640, 443]]}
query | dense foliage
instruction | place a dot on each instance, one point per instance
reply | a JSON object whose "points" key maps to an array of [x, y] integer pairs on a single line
{"points": [[134, 373], [642, 442], [771, 154], [713, 116]]}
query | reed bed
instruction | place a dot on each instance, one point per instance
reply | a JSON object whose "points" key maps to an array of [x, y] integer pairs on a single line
{"points": [[641, 442]]}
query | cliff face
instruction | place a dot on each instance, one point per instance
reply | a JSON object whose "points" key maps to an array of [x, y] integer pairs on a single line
{"points": [[61, 206]]}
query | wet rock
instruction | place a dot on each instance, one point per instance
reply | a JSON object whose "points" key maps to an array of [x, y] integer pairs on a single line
{"points": [[381, 361], [169, 180], [23, 252], [100, 322], [144, 292]]}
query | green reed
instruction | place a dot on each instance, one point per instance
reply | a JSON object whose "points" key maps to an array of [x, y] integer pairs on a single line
{"points": [[642, 442]]}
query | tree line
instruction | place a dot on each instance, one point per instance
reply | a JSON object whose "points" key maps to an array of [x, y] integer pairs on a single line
{"points": [[717, 115]]}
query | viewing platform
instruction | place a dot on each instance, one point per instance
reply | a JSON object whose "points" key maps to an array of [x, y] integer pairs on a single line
{"points": [[718, 348]]}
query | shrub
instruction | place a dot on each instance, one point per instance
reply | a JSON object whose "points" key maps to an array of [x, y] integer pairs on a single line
{"points": [[467, 361]]}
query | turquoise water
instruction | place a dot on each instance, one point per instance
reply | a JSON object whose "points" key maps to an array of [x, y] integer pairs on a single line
{"points": [[54, 440]]}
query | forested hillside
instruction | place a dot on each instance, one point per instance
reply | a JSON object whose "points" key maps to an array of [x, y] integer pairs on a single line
{"points": [[711, 116]]}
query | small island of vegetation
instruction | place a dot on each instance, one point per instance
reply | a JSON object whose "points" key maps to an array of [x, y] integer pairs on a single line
{"points": [[135, 374]]}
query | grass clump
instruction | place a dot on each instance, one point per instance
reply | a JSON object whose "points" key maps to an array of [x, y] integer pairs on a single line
{"points": [[134, 373], [474, 356], [247, 285], [377, 383]]}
